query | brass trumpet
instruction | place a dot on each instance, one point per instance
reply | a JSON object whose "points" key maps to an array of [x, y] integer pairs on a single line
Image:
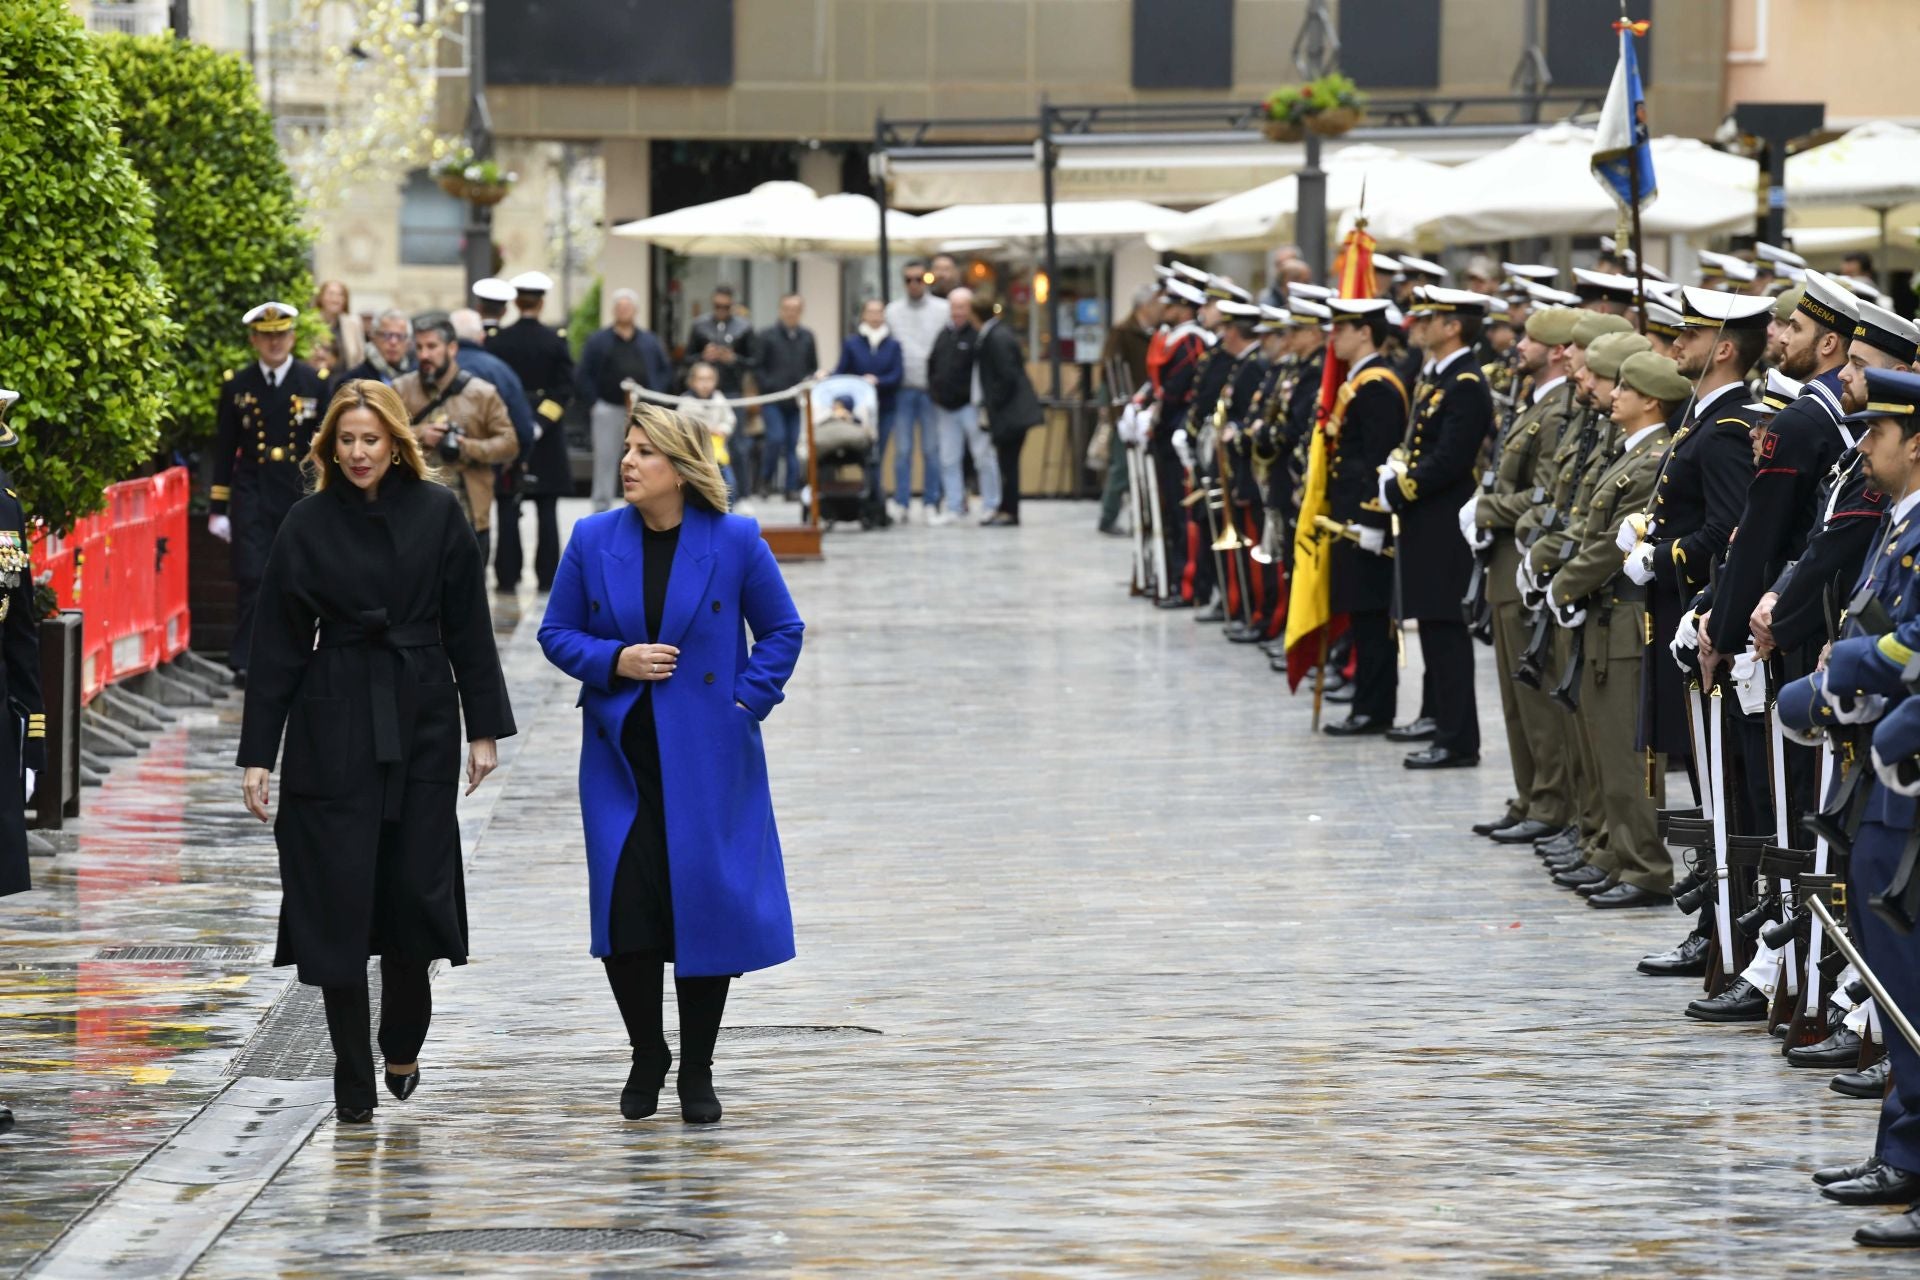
{"points": [[1229, 539]]}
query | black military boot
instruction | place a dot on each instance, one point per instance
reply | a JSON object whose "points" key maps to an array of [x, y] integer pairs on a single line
{"points": [[1740, 1002], [1688, 960]]}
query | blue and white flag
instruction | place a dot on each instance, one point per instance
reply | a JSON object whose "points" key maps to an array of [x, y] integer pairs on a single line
{"points": [[1621, 145]]}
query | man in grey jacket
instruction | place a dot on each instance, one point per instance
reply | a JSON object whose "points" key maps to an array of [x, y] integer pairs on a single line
{"points": [[916, 322]]}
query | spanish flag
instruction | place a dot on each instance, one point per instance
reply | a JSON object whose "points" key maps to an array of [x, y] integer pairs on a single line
{"points": [[1311, 625]]}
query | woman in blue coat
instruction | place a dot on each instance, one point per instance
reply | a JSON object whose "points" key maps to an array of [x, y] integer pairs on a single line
{"points": [[873, 353], [683, 861]]}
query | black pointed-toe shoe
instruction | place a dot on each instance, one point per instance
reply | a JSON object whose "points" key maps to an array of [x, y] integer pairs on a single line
{"points": [[1416, 730], [1740, 1002], [353, 1115], [641, 1096], [1354, 727], [402, 1087], [1882, 1184], [1688, 960], [1439, 758]]}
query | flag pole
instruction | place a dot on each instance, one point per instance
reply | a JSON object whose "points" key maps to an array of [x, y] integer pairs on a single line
{"points": [[1633, 185]]}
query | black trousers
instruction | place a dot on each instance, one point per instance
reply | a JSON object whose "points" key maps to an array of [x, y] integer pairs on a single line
{"points": [[257, 508], [508, 557], [635, 979], [1446, 648], [1008, 453], [406, 1009], [546, 553], [1376, 669]]}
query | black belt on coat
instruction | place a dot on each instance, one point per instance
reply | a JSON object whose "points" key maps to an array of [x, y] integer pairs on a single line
{"points": [[372, 631]]}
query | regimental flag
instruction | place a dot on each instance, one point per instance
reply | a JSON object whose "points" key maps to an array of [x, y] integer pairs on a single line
{"points": [[1622, 161], [1311, 624]]}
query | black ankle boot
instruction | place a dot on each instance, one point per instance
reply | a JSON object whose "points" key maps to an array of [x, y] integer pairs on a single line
{"points": [[698, 1102], [702, 1002], [641, 1097]]}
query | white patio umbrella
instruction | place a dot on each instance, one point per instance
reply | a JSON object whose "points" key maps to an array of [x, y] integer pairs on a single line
{"points": [[1264, 216], [1080, 226], [774, 220], [1875, 167], [1543, 185]]}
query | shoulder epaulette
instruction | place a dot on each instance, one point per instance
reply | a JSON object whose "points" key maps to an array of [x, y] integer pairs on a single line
{"points": [[1468, 377]]}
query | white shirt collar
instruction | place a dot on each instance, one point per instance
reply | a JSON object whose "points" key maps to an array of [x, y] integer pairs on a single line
{"points": [[275, 371], [1906, 504], [1640, 435], [1545, 389], [1440, 367], [1700, 404]]}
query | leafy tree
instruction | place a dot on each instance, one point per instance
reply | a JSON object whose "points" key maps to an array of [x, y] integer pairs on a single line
{"points": [[228, 229], [85, 336], [585, 318]]}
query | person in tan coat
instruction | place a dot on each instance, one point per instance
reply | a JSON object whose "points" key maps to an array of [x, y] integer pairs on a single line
{"points": [[460, 419]]}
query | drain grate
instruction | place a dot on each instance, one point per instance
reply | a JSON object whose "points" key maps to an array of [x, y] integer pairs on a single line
{"points": [[795, 1033], [540, 1240], [227, 955], [291, 1041]]}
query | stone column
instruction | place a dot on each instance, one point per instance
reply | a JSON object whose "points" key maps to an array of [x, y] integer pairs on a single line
{"points": [[624, 263]]}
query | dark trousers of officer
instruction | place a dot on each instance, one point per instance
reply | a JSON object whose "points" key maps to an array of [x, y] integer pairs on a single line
{"points": [[546, 553], [508, 557], [255, 513], [1895, 960], [1171, 478], [1376, 668], [406, 1008], [1446, 650]]}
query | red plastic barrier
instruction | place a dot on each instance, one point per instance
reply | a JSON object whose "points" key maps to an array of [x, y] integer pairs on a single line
{"points": [[126, 569]]}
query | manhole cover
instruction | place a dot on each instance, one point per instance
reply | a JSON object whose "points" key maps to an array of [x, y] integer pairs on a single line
{"points": [[539, 1240], [794, 1033], [202, 954]]}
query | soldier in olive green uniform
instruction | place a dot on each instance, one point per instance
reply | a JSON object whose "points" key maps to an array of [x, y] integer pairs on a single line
{"points": [[1536, 738], [1633, 869]]}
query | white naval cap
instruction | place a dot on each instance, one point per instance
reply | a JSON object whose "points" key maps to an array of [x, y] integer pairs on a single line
{"points": [[1433, 300], [1830, 302], [1273, 319], [1776, 393], [1861, 287], [1547, 296], [1306, 313], [1536, 271], [1726, 265], [1311, 292], [494, 289], [1715, 309], [1778, 257], [1625, 288], [270, 317], [1381, 262], [532, 282], [1883, 330], [1423, 266], [1181, 291]]}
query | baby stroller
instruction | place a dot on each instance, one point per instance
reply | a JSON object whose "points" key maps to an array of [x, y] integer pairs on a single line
{"points": [[845, 413]]}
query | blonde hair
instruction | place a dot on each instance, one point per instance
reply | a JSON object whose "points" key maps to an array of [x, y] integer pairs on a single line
{"points": [[688, 445], [385, 404]]}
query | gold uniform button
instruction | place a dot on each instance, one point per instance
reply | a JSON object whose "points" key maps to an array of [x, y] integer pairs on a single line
{"points": [[1906, 562], [278, 454]]}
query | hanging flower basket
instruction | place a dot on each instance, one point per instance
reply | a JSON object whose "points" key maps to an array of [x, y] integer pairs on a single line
{"points": [[1284, 131], [465, 177], [453, 184], [488, 192], [1329, 106], [1334, 121]]}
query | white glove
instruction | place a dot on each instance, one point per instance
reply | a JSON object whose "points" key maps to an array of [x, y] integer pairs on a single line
{"points": [[1639, 565], [1629, 532], [1183, 447], [1902, 782], [1386, 482], [1864, 709], [32, 774], [1750, 682], [1568, 620], [1373, 541], [1469, 524], [220, 527], [1522, 580], [1129, 425], [1686, 639]]}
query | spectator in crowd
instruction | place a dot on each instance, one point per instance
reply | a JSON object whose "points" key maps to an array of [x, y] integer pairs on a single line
{"points": [[915, 320], [724, 340], [874, 353], [704, 403], [954, 386], [784, 356], [470, 335], [325, 358], [946, 275], [335, 306], [1482, 275], [1007, 398], [618, 352], [390, 354], [1281, 272], [1127, 343], [461, 421], [1859, 265]]}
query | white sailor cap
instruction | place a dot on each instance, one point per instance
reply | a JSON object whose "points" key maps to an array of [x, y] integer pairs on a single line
{"points": [[1663, 319], [532, 282], [1535, 271], [1725, 266], [1273, 319], [1545, 296], [493, 289], [1221, 289], [1311, 292], [1435, 300], [1423, 267], [1194, 274], [1861, 287], [1245, 312], [1883, 330], [1307, 313], [1181, 291], [1777, 257], [1776, 393], [1381, 262], [1830, 302], [1357, 308], [270, 317], [1588, 283], [1714, 309]]}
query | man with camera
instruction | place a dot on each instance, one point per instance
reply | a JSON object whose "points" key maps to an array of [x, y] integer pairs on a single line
{"points": [[461, 420]]}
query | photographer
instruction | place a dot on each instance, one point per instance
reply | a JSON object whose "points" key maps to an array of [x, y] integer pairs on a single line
{"points": [[461, 421]]}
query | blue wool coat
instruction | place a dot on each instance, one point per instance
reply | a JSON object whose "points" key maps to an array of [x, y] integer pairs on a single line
{"points": [[730, 910]]}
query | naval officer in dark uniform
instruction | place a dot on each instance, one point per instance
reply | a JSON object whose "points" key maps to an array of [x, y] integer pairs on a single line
{"points": [[544, 361], [268, 412], [23, 747]]}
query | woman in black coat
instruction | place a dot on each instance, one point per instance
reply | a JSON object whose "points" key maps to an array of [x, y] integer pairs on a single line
{"points": [[1007, 398], [372, 637]]}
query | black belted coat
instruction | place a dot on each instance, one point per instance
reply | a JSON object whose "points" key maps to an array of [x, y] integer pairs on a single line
{"points": [[372, 636]]}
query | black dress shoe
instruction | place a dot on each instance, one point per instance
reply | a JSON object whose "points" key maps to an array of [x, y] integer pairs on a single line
{"points": [[1688, 960], [1628, 895], [641, 1096], [1215, 612], [353, 1115], [1336, 682], [1439, 758], [1740, 1002], [1882, 1184], [1277, 663], [1418, 730], [1869, 1083], [1354, 727], [1599, 886], [240, 679], [1841, 1049], [1572, 862], [1574, 877], [1172, 602], [698, 1103], [1344, 694], [1243, 634], [6, 1117], [402, 1087], [1902, 1232], [1564, 842], [1524, 832], [1504, 822], [1845, 1172]]}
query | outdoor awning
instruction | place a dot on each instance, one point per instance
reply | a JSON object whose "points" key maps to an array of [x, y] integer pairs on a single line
{"points": [[1080, 226], [775, 220]]}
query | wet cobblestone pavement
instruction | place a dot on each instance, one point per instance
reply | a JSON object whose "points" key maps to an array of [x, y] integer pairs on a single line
{"points": [[1163, 985]]}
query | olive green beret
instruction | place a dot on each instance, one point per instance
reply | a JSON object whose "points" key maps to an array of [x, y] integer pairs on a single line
{"points": [[1656, 376], [1591, 324], [1788, 302], [1552, 325], [1606, 352]]}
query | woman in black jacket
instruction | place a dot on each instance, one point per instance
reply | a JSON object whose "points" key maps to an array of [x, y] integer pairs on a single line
{"points": [[372, 637], [1007, 398]]}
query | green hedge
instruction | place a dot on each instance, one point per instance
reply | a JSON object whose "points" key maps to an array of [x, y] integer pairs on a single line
{"points": [[84, 330], [227, 227]]}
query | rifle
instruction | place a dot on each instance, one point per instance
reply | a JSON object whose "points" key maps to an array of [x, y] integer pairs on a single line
{"points": [[1889, 1010]]}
